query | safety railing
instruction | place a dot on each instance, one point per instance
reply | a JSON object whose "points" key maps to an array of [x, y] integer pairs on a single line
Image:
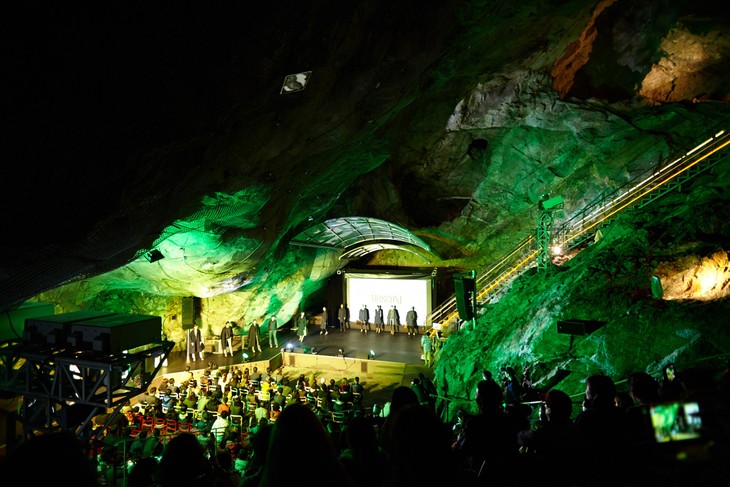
{"points": [[640, 191]]}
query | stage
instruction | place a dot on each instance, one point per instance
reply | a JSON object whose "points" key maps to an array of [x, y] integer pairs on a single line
{"points": [[396, 360]]}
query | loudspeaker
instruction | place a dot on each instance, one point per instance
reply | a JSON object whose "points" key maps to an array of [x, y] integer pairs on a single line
{"points": [[190, 310], [464, 289], [579, 327]]}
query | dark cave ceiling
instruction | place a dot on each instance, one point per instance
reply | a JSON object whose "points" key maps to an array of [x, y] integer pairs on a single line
{"points": [[163, 126]]}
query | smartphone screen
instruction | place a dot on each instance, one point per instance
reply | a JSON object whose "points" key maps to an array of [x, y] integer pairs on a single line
{"points": [[676, 421]]}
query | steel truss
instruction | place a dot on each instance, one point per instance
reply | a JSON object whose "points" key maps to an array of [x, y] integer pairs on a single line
{"points": [[64, 388]]}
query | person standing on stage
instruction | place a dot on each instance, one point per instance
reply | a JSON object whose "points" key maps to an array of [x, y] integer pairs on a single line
{"points": [[412, 321], [254, 337], [273, 332], [378, 320], [343, 316], [325, 319], [301, 326], [195, 343], [227, 339], [427, 346], [364, 319], [393, 320]]}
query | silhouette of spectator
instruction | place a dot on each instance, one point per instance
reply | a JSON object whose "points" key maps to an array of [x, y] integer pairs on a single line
{"points": [[51, 459], [184, 463], [416, 429], [420, 391], [644, 392], [143, 473], [298, 429], [512, 390], [602, 428], [487, 444], [670, 388], [430, 389], [551, 443], [401, 397], [361, 453]]}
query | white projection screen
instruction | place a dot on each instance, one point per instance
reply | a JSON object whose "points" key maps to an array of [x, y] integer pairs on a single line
{"points": [[387, 290]]}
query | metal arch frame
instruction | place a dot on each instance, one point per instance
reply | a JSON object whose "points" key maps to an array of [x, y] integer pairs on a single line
{"points": [[351, 234]]}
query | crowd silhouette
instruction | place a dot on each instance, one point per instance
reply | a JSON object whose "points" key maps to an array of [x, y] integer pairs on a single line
{"points": [[511, 434]]}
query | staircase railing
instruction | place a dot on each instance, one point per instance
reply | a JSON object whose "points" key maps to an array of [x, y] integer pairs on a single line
{"points": [[640, 191]]}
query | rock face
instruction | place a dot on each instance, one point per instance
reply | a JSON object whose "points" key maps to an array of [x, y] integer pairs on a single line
{"points": [[610, 282], [169, 130]]}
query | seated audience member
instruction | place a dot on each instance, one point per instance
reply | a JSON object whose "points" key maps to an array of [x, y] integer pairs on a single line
{"points": [[57, 458], [221, 427], [417, 427], [487, 443], [299, 430], [550, 446], [601, 428]]}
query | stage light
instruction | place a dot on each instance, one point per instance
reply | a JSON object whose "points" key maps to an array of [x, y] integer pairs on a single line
{"points": [[153, 256], [552, 203], [289, 347], [557, 250], [371, 355], [245, 356], [340, 353]]}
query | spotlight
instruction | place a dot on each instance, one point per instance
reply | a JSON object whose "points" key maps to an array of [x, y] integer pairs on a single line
{"points": [[555, 202], [340, 353], [245, 356], [557, 250], [153, 256], [289, 347], [371, 355]]}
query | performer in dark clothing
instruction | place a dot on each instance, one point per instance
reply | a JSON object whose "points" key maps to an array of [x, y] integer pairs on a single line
{"points": [[343, 316], [301, 323], [412, 321], [364, 319], [325, 320], [273, 332], [378, 320], [254, 337], [195, 343], [393, 320], [227, 339]]}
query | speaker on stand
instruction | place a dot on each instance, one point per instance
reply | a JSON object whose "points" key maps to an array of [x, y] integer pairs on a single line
{"points": [[465, 294]]}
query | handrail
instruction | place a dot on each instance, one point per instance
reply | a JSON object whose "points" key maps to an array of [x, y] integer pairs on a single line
{"points": [[587, 221]]}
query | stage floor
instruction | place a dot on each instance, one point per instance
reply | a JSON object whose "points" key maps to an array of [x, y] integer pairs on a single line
{"points": [[399, 348]]}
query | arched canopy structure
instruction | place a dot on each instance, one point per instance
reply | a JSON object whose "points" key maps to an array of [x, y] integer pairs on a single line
{"points": [[357, 236]]}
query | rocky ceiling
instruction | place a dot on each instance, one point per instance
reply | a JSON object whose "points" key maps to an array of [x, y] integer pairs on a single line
{"points": [[165, 127]]}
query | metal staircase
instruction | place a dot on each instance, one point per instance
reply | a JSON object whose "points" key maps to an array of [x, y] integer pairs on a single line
{"points": [[582, 227]]}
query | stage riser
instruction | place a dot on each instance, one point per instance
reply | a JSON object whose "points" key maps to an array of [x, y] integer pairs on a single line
{"points": [[340, 364]]}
